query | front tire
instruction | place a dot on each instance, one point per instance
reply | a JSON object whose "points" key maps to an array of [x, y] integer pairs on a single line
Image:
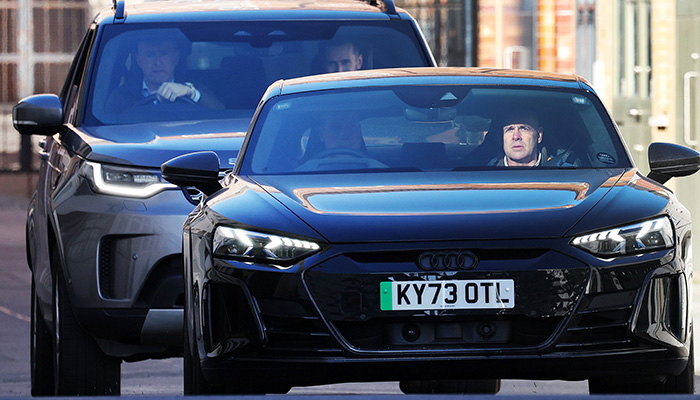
{"points": [[41, 351], [80, 367], [684, 383], [194, 381]]}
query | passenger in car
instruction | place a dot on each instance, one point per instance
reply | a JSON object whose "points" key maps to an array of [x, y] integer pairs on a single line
{"points": [[522, 144], [158, 58], [341, 56], [522, 135]]}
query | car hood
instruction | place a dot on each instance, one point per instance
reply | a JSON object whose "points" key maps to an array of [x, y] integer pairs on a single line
{"points": [[150, 145], [459, 205]]}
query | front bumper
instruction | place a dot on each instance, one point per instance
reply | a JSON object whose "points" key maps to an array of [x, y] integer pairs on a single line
{"points": [[573, 322], [123, 260]]}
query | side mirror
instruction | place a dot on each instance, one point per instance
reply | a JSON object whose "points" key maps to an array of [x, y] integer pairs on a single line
{"points": [[200, 169], [41, 114], [668, 160]]}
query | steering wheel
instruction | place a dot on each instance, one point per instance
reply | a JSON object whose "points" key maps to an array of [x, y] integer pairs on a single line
{"points": [[153, 99], [340, 151], [325, 160]]}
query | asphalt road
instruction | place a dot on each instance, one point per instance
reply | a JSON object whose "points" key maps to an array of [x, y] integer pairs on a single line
{"points": [[155, 377]]}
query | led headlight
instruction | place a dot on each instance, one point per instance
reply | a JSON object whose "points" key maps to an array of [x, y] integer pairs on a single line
{"points": [[655, 234], [124, 181], [262, 247]]}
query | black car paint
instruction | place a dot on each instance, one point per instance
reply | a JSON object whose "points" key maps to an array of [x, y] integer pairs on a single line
{"points": [[322, 314]]}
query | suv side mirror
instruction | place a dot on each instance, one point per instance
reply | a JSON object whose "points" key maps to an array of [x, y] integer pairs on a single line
{"points": [[41, 114], [668, 160], [200, 169]]}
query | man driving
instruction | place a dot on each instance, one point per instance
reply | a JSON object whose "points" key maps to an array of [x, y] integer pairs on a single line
{"points": [[158, 58]]}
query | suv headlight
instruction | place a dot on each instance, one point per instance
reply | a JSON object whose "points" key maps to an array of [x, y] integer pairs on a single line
{"points": [[655, 234], [124, 181], [261, 247]]}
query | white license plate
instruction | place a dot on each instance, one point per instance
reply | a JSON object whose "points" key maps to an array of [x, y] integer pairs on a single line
{"points": [[447, 295]]}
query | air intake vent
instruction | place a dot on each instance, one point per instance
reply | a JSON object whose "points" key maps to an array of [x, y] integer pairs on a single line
{"points": [[292, 328], [105, 258], [601, 323]]}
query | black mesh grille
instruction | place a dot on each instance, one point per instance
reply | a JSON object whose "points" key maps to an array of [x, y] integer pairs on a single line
{"points": [[105, 268]]}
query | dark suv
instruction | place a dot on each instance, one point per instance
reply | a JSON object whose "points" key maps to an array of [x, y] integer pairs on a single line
{"points": [[150, 82]]}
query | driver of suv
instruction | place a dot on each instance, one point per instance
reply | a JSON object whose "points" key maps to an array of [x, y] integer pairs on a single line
{"points": [[158, 58]]}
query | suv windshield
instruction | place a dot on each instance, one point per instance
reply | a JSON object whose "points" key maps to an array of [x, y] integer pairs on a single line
{"points": [[432, 128], [227, 66]]}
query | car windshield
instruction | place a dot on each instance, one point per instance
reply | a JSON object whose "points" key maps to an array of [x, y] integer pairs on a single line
{"points": [[432, 128], [229, 64]]}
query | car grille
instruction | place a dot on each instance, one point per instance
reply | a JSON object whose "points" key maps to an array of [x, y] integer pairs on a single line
{"points": [[292, 327]]}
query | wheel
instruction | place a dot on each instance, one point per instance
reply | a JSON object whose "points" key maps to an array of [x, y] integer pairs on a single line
{"points": [[196, 384], [41, 352], [458, 386], [80, 367], [684, 383], [194, 381]]}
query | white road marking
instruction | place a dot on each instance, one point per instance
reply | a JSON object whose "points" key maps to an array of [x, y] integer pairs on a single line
{"points": [[14, 314]]}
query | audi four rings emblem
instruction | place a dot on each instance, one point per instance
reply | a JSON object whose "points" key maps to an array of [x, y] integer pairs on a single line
{"points": [[446, 260]]}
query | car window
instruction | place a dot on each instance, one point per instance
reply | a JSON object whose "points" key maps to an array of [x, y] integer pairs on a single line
{"points": [[232, 63], [428, 128]]}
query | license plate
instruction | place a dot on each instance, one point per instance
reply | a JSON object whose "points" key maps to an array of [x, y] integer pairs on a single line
{"points": [[447, 295]]}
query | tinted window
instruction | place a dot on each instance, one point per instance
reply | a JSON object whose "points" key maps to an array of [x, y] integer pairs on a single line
{"points": [[429, 128], [232, 62]]}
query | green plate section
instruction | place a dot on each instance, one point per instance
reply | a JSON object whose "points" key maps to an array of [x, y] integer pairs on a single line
{"points": [[385, 296]]}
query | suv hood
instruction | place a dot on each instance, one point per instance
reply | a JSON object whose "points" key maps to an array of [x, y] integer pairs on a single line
{"points": [[456, 206], [150, 145]]}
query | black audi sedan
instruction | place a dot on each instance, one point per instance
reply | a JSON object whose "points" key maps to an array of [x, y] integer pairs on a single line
{"points": [[445, 228]]}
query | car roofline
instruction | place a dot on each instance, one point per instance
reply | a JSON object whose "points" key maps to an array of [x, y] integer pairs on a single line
{"points": [[137, 11], [429, 75]]}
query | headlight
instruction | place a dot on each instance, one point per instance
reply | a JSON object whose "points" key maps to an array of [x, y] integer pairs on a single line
{"points": [[262, 247], [655, 234], [124, 181]]}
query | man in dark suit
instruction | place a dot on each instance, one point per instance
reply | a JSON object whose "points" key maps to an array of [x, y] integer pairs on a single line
{"points": [[157, 58]]}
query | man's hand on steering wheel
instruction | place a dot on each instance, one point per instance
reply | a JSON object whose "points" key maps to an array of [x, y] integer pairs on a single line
{"points": [[171, 91]]}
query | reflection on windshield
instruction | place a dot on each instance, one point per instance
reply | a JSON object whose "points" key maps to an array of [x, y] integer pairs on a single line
{"points": [[483, 198], [432, 128], [220, 70]]}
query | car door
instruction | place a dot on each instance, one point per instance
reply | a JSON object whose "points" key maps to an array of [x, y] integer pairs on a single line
{"points": [[54, 158]]}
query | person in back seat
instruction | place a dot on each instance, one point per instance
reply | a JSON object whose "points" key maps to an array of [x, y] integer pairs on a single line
{"points": [[342, 56]]}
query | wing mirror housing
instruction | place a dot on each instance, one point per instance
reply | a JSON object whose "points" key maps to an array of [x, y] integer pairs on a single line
{"points": [[200, 169], [669, 160], [41, 114]]}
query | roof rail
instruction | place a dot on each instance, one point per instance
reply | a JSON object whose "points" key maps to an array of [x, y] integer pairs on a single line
{"points": [[389, 6], [118, 7]]}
